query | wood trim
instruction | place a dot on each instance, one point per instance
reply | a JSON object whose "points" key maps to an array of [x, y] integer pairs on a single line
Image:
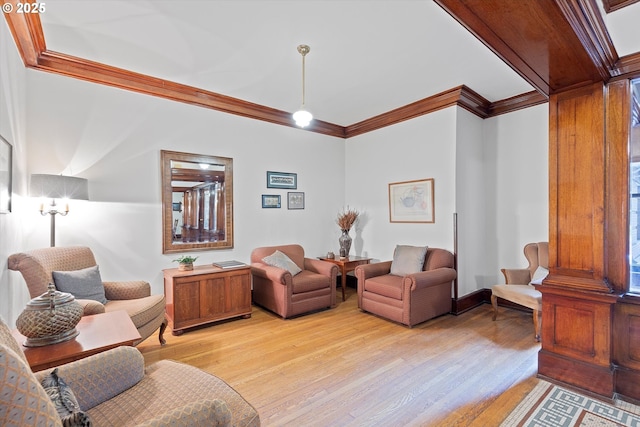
{"points": [[26, 29], [594, 378], [618, 104], [460, 11], [613, 5], [586, 22], [461, 96], [469, 301], [628, 66], [29, 38], [518, 102], [95, 72]]}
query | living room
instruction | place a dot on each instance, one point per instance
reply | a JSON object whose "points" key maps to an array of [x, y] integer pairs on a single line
{"points": [[113, 138], [491, 175]]}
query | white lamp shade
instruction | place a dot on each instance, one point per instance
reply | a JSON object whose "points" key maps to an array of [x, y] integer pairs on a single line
{"points": [[302, 118], [59, 187]]}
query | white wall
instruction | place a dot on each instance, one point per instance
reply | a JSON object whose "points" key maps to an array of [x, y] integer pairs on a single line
{"points": [[13, 129], [421, 148], [517, 172], [472, 248], [114, 137], [493, 173]]}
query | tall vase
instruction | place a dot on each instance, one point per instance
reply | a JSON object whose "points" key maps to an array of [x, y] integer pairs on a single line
{"points": [[345, 244]]}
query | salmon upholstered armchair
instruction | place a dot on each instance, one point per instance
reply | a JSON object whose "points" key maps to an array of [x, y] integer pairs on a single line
{"points": [[74, 269], [289, 290], [519, 283], [115, 388], [412, 288]]}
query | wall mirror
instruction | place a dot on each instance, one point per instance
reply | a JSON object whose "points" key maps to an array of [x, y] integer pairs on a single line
{"points": [[197, 202]]}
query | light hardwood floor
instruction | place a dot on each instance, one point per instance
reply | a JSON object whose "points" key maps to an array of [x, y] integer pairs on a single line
{"points": [[342, 367]]}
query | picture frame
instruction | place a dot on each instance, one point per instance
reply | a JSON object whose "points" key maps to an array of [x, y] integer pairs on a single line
{"points": [[295, 200], [282, 180], [271, 201], [6, 171], [412, 201]]}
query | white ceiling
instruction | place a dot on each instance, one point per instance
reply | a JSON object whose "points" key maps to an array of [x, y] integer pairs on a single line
{"points": [[367, 56]]}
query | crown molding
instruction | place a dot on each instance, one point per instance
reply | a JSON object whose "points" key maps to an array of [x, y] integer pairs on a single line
{"points": [[518, 102], [29, 38], [613, 5]]}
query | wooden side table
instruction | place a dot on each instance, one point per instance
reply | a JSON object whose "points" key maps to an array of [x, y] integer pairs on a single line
{"points": [[98, 333], [346, 265]]}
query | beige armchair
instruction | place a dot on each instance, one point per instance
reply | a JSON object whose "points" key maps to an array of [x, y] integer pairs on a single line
{"points": [[278, 290], [115, 388], [146, 311], [412, 298], [518, 288]]}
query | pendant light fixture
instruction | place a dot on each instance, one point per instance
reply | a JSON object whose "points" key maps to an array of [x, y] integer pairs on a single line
{"points": [[302, 116]]}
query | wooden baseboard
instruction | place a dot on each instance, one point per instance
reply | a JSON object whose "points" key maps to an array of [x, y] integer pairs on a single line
{"points": [[479, 297], [586, 376]]}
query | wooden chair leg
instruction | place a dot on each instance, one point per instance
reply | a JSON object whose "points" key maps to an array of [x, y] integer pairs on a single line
{"points": [[494, 303], [163, 326], [536, 324]]}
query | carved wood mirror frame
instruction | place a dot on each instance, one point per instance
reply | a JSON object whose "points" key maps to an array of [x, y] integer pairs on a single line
{"points": [[198, 230]]}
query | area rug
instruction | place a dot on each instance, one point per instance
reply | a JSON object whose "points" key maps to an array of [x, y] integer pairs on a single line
{"points": [[548, 405]]}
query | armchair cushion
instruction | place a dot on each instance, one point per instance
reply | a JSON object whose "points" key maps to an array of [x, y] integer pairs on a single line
{"points": [[408, 259], [95, 380], [539, 275], [23, 401], [83, 284], [280, 260]]}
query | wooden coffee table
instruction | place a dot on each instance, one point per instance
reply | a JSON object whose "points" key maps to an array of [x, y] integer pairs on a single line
{"points": [[99, 332], [346, 264]]}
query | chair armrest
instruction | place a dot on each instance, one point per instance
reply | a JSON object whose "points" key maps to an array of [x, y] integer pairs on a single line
{"points": [[100, 377], [321, 267], [133, 289], [365, 271], [426, 279], [91, 307], [275, 274], [520, 276], [205, 412]]}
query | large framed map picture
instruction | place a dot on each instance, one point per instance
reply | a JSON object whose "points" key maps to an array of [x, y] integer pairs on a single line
{"points": [[412, 201], [5, 175]]}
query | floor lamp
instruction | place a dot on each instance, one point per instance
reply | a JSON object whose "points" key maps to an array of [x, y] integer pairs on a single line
{"points": [[57, 187]]}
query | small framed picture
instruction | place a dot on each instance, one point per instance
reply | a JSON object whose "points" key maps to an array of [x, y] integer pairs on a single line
{"points": [[270, 200], [282, 180], [295, 200]]}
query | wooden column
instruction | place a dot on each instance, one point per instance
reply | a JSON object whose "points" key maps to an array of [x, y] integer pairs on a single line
{"points": [[587, 231]]}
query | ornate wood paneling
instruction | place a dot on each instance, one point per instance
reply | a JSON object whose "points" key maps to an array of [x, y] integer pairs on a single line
{"points": [[626, 348], [576, 188], [618, 126], [536, 38]]}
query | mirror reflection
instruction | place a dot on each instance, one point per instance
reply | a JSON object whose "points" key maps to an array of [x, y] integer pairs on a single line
{"points": [[197, 202]]}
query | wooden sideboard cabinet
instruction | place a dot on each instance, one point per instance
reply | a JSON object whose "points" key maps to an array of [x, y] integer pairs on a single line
{"points": [[206, 294]]}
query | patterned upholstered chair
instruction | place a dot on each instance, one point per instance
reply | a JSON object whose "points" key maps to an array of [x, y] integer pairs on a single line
{"points": [[519, 287], [286, 294], [115, 389], [146, 311]]}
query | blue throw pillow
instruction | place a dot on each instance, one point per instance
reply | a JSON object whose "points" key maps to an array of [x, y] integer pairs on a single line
{"points": [[82, 284]]}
